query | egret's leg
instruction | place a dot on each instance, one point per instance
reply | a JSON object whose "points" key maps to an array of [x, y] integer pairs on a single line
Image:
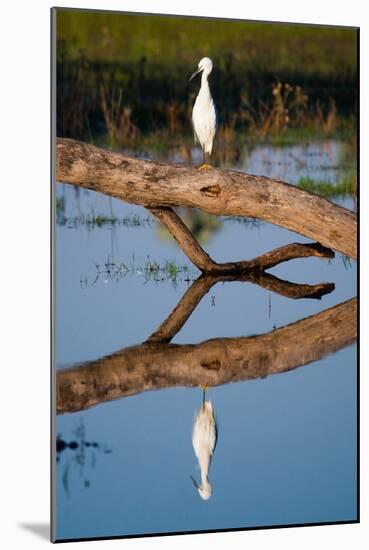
{"points": [[204, 165]]}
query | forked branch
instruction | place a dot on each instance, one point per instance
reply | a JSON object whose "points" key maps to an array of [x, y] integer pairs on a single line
{"points": [[204, 263]]}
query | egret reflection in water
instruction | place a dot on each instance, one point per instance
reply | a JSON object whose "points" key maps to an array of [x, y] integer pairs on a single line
{"points": [[204, 439]]}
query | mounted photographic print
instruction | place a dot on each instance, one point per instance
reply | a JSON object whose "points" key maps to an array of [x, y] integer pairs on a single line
{"points": [[204, 261]]}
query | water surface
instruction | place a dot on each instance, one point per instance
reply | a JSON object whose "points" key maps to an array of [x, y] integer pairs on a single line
{"points": [[286, 450]]}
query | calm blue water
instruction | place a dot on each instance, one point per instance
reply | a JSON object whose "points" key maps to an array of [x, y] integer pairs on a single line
{"points": [[286, 450]]}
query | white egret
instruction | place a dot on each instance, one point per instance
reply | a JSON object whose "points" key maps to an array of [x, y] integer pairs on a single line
{"points": [[203, 113], [204, 437]]}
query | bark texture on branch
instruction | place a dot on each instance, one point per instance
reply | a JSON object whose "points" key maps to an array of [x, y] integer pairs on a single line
{"points": [[220, 192], [152, 366]]}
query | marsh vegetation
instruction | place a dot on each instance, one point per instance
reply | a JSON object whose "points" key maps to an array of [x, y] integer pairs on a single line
{"points": [[116, 76]]}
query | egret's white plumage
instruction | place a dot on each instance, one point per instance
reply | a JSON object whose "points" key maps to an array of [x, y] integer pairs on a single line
{"points": [[204, 436], [203, 113]]}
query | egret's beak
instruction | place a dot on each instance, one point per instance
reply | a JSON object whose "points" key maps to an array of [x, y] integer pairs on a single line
{"points": [[194, 74], [194, 482]]}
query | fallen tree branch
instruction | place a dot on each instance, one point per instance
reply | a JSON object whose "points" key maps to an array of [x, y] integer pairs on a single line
{"points": [[220, 192], [202, 260], [185, 239], [153, 366]]}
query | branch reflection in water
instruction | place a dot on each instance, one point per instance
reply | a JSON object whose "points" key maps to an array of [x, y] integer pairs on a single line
{"points": [[157, 364]]}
